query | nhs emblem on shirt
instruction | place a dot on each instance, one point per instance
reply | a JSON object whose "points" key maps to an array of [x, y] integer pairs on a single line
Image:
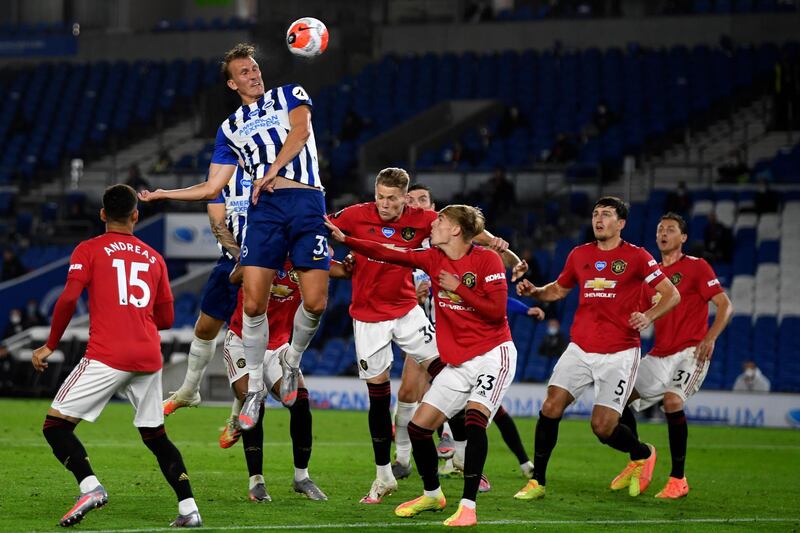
{"points": [[387, 232], [600, 265]]}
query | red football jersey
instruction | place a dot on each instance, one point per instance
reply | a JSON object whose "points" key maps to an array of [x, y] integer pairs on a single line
{"points": [[382, 291], [687, 324], [125, 279], [610, 284], [461, 332], [283, 303]]}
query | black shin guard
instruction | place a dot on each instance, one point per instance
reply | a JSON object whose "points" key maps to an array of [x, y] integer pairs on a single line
{"points": [[380, 421], [169, 459], [253, 444], [508, 429], [425, 457], [60, 435], [622, 439], [300, 429], [678, 431], [544, 442], [475, 454]]}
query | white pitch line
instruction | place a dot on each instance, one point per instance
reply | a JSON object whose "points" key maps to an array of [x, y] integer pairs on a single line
{"points": [[428, 523]]}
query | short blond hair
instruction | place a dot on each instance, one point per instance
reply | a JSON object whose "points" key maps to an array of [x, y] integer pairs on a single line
{"points": [[240, 51], [469, 219], [393, 177]]}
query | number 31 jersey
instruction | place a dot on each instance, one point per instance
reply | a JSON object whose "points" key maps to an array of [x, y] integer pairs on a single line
{"points": [[125, 279]]}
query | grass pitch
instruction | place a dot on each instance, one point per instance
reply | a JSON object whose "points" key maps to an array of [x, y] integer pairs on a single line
{"points": [[741, 479]]}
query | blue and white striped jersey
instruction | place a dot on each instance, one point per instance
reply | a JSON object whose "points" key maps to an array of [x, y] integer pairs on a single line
{"points": [[236, 197], [256, 133]]}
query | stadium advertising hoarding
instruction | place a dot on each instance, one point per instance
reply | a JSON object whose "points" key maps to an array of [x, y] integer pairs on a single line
{"points": [[188, 236], [525, 399]]}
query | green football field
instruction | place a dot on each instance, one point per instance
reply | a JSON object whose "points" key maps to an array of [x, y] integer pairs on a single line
{"points": [[741, 479]]}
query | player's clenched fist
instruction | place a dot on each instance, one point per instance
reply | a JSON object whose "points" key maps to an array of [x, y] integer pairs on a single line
{"points": [[639, 321], [39, 358], [449, 281], [519, 270], [149, 196], [526, 288]]}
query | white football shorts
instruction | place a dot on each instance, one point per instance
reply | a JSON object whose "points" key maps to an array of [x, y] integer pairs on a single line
{"points": [[91, 384], [413, 333], [611, 374], [483, 379]]}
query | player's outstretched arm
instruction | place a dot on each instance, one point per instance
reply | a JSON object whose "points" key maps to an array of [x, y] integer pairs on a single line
{"points": [[62, 314], [705, 349], [549, 293], [300, 124], [510, 259], [670, 297], [218, 176], [342, 269], [376, 250]]}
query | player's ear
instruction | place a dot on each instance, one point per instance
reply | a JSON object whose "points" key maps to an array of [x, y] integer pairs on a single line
{"points": [[135, 216], [103, 215], [232, 85]]}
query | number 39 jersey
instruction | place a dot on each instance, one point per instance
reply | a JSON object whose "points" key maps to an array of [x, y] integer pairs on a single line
{"points": [[125, 279]]}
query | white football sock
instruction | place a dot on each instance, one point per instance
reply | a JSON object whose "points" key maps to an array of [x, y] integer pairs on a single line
{"points": [[88, 483], [255, 332], [187, 506], [405, 411], [300, 473], [305, 326], [200, 354]]}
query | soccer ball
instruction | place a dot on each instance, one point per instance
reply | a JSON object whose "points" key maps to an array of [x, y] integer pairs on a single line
{"points": [[307, 37]]}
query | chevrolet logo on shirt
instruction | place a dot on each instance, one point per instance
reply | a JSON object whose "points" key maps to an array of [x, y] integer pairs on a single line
{"points": [[599, 284]]}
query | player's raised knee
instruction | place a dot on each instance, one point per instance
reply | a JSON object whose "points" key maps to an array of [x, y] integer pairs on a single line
{"points": [[316, 306], [672, 403], [603, 428]]}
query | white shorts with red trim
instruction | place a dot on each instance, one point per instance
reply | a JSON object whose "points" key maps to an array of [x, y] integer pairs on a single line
{"points": [[680, 373], [233, 355], [412, 332], [483, 379], [612, 374], [91, 384]]}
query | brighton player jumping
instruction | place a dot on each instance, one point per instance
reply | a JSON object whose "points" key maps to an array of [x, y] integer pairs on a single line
{"points": [[129, 301], [271, 134], [474, 340], [384, 310], [227, 214], [604, 347], [676, 366]]}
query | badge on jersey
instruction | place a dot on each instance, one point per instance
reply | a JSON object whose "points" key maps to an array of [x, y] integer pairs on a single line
{"points": [[468, 279], [299, 93], [267, 104], [618, 266], [408, 233], [600, 265], [387, 232], [676, 278]]}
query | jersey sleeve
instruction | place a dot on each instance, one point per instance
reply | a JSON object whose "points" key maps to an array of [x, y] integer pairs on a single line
{"points": [[163, 291], [345, 219], [568, 277], [494, 274], [295, 96], [651, 272], [223, 153], [80, 265], [707, 280]]}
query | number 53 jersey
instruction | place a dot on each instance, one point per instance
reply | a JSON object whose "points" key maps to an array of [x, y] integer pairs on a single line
{"points": [[125, 279]]}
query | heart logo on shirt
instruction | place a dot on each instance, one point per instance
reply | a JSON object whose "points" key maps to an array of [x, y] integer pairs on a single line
{"points": [[600, 265], [387, 232]]}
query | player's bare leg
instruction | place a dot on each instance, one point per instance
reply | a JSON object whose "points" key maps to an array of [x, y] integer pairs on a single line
{"points": [[314, 290], [677, 486], [380, 429], [606, 426], [255, 332], [421, 429], [201, 351], [412, 386], [545, 441]]}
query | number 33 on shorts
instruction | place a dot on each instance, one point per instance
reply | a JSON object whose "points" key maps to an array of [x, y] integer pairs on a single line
{"points": [[321, 249]]}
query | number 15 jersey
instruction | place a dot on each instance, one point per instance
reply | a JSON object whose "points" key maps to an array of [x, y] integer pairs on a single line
{"points": [[125, 279]]}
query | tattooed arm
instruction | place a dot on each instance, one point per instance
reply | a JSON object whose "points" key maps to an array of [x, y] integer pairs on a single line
{"points": [[216, 217]]}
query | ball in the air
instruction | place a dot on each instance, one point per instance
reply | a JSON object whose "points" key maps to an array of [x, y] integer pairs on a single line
{"points": [[307, 37]]}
